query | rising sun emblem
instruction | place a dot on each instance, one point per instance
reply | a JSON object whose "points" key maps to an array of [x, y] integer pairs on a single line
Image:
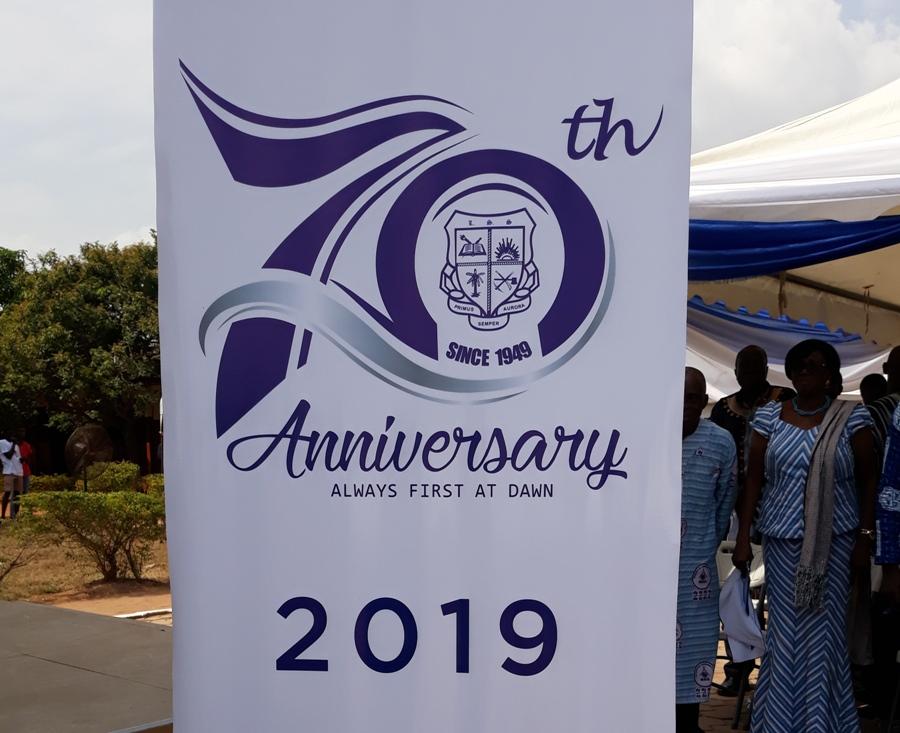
{"points": [[506, 250]]}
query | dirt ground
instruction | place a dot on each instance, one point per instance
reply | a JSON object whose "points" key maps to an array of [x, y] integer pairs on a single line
{"points": [[53, 571], [64, 577], [716, 715], [114, 599]]}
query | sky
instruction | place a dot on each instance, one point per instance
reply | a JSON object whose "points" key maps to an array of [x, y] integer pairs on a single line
{"points": [[76, 118]]}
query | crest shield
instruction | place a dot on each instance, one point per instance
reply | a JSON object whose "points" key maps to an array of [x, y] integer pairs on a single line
{"points": [[490, 271]]}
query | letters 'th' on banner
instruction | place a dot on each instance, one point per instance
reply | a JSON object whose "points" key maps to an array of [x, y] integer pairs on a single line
{"points": [[422, 299]]}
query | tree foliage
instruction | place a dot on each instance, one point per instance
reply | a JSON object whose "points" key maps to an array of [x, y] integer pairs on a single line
{"points": [[80, 341], [12, 270], [52, 482], [115, 476]]}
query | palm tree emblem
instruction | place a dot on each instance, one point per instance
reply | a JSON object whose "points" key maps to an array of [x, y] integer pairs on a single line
{"points": [[474, 279]]}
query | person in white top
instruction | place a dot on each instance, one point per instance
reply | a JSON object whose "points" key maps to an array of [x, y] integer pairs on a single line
{"points": [[11, 460]]}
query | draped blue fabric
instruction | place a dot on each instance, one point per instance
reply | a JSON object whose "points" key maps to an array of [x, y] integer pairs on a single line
{"points": [[723, 250], [736, 329]]}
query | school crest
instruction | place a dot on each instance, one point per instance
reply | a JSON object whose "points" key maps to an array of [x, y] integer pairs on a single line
{"points": [[490, 271]]}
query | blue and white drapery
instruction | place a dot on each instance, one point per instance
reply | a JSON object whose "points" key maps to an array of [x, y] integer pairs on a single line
{"points": [[725, 250], [776, 334], [715, 334]]}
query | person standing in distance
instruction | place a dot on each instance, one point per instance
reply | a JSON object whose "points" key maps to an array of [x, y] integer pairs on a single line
{"points": [[734, 413], [887, 555], [11, 460], [882, 409], [872, 387], [708, 489], [26, 453]]}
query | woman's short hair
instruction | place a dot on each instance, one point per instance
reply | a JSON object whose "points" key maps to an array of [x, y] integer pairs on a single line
{"points": [[801, 352]]}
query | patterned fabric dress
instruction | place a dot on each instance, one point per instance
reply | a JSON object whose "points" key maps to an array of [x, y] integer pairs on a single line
{"points": [[887, 551], [735, 417], [804, 683], [881, 411], [708, 489]]}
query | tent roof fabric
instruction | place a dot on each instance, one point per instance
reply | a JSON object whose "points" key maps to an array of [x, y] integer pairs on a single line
{"points": [[841, 164]]}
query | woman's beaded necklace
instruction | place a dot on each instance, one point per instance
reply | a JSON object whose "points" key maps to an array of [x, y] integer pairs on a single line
{"points": [[808, 413]]}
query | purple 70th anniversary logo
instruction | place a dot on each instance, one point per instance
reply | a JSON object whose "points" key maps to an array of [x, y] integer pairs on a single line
{"points": [[490, 274]]}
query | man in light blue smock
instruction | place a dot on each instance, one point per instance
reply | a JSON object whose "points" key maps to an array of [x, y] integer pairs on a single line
{"points": [[708, 493], [887, 551]]}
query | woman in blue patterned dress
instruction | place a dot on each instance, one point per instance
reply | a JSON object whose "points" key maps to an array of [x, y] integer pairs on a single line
{"points": [[812, 476]]}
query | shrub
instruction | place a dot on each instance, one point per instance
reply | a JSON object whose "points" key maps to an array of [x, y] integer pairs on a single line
{"points": [[154, 484], [113, 476], [115, 529], [52, 482]]}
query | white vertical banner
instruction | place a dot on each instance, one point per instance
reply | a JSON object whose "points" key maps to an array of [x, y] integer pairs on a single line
{"points": [[422, 297]]}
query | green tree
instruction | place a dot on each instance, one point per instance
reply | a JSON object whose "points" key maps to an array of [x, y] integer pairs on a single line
{"points": [[81, 342], [12, 272]]}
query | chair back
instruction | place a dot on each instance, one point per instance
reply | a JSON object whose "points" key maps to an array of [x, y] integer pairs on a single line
{"points": [[726, 567]]}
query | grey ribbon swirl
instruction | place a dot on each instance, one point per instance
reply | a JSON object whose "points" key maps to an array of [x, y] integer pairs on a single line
{"points": [[313, 308]]}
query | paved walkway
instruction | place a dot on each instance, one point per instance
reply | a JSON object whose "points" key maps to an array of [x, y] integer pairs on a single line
{"points": [[64, 670]]}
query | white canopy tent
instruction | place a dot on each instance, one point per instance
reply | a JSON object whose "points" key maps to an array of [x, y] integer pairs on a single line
{"points": [[840, 164]]}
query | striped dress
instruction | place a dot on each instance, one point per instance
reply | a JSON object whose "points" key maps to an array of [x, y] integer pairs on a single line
{"points": [[708, 490], [887, 549], [881, 411], [804, 683]]}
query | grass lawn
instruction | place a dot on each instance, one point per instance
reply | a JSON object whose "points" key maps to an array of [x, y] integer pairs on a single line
{"points": [[61, 570]]}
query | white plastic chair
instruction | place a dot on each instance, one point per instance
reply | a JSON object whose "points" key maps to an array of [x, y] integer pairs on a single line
{"points": [[726, 567]]}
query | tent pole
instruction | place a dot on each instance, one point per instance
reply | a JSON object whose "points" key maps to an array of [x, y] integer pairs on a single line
{"points": [[849, 295]]}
